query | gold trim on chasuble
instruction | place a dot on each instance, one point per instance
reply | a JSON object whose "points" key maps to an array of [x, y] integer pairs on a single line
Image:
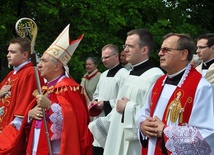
{"points": [[5, 101]]}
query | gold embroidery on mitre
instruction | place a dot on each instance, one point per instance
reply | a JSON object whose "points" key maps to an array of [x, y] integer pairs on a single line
{"points": [[53, 50], [66, 58], [175, 110], [62, 48]]}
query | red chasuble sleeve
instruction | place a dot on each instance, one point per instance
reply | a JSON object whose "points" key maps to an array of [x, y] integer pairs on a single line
{"points": [[76, 137]]}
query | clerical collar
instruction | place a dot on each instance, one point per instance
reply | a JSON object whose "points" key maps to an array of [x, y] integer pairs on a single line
{"points": [[114, 70], [54, 81], [17, 68], [139, 63], [173, 75], [174, 79], [207, 64], [141, 67]]}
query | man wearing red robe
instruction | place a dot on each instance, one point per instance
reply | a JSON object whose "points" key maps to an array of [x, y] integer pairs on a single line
{"points": [[65, 106], [16, 90]]}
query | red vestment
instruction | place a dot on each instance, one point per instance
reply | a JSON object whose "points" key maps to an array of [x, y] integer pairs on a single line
{"points": [[76, 138], [14, 104], [13, 141]]}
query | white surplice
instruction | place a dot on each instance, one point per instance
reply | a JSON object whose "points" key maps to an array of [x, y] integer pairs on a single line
{"points": [[107, 90], [201, 121], [208, 74], [120, 138]]}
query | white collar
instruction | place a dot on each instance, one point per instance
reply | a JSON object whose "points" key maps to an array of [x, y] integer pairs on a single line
{"points": [[17, 68]]}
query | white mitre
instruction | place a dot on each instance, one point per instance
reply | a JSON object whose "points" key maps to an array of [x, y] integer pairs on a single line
{"points": [[62, 49]]}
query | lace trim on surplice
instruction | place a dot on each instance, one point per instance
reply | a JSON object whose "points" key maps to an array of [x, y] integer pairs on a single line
{"points": [[186, 140]]}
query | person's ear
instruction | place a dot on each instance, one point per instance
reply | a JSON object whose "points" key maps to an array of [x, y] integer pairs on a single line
{"points": [[144, 50], [212, 48], [184, 54], [26, 54]]}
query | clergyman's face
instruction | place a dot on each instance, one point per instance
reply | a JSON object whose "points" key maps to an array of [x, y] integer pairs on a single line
{"points": [[133, 49], [109, 58], [123, 58], [170, 59], [46, 66], [203, 51], [15, 57]]}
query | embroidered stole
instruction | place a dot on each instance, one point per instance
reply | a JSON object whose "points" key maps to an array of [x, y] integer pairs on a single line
{"points": [[182, 99]]}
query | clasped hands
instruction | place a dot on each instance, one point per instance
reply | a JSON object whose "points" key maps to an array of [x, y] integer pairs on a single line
{"points": [[152, 127], [42, 102]]}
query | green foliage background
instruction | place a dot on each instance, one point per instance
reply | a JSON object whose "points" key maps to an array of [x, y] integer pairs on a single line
{"points": [[102, 22]]}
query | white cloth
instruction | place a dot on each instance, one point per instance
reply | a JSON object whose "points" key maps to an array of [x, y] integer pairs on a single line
{"points": [[107, 87], [201, 118], [208, 74], [17, 122], [17, 68], [119, 138], [107, 90]]}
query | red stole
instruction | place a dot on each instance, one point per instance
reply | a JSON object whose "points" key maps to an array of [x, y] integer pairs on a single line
{"points": [[185, 97]]}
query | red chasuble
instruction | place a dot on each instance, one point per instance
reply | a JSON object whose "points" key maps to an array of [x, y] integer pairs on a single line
{"points": [[76, 138], [14, 104], [20, 96], [12, 141], [184, 94]]}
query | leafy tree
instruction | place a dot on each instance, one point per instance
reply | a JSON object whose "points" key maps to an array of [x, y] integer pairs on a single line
{"points": [[102, 22]]}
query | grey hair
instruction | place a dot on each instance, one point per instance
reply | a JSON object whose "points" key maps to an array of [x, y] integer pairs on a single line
{"points": [[55, 61], [93, 59]]}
